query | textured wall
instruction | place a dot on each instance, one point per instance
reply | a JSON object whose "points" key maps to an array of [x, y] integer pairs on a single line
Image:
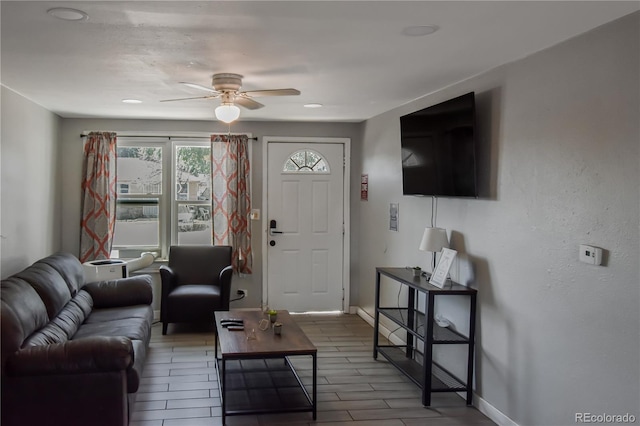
{"points": [[560, 140], [31, 189]]}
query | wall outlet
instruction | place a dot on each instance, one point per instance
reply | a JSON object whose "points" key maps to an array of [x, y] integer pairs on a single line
{"points": [[243, 292], [590, 254]]}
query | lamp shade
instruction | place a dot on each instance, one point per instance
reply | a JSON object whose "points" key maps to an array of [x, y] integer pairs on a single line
{"points": [[227, 113], [434, 239]]}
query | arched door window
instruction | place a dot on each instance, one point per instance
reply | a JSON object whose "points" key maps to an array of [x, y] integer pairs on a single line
{"points": [[306, 161]]}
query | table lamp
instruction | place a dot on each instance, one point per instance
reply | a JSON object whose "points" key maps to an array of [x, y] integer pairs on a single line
{"points": [[433, 240]]}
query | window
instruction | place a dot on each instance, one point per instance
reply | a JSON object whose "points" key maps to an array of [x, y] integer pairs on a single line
{"points": [[164, 194], [192, 201], [305, 161], [138, 215]]}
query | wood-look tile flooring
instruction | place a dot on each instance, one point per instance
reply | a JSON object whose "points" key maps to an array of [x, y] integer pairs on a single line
{"points": [[179, 386]]}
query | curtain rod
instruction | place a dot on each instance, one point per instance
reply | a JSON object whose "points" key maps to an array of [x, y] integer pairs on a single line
{"points": [[82, 135]]}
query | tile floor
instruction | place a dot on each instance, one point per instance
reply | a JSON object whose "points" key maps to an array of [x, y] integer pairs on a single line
{"points": [[179, 385]]}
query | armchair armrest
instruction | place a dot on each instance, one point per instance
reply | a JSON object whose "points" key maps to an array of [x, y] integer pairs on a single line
{"points": [[121, 292], [92, 354], [168, 278], [225, 284]]}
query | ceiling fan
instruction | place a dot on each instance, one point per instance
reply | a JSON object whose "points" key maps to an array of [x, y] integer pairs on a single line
{"points": [[226, 86]]}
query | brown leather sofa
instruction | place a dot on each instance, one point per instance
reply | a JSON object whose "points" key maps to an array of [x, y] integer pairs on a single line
{"points": [[72, 352]]}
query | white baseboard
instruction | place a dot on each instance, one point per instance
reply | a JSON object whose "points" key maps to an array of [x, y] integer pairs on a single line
{"points": [[381, 328], [483, 406], [156, 315], [492, 412]]}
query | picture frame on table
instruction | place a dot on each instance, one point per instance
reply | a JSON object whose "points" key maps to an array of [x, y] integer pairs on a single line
{"points": [[439, 276]]}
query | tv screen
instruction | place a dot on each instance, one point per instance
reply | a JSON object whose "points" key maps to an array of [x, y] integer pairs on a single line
{"points": [[439, 150]]}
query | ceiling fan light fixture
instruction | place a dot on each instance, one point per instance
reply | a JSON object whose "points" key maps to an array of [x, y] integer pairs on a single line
{"points": [[227, 113]]}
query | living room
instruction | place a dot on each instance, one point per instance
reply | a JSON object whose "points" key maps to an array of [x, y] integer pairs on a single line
{"points": [[560, 167]]}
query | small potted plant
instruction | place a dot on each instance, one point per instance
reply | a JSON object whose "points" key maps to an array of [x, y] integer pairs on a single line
{"points": [[273, 315], [417, 271]]}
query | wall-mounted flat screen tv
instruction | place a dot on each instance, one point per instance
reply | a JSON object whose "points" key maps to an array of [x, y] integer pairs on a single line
{"points": [[439, 149]]}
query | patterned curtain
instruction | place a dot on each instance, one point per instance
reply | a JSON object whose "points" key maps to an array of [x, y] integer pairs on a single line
{"points": [[231, 198], [98, 196]]}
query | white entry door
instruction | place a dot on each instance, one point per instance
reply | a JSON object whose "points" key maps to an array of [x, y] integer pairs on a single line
{"points": [[305, 243]]}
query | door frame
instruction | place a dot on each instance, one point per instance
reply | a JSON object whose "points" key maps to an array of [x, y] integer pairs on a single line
{"points": [[346, 237]]}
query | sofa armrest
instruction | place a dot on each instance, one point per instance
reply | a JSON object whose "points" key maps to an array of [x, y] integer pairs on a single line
{"points": [[121, 292], [91, 354]]}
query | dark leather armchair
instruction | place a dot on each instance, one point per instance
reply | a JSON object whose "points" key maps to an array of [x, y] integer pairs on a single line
{"points": [[196, 283]]}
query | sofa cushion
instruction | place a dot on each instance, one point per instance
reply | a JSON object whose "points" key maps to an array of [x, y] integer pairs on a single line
{"points": [[84, 302], [49, 334], [49, 285], [125, 312], [65, 325], [129, 291], [22, 312], [73, 315], [133, 328], [69, 268]]}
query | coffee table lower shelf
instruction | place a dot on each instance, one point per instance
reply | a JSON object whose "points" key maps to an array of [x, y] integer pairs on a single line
{"points": [[260, 386]]}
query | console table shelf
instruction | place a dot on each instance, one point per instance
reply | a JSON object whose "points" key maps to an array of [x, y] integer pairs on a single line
{"points": [[415, 359], [441, 335]]}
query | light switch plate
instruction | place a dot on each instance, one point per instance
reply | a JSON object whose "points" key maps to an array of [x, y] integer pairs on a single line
{"points": [[255, 214]]}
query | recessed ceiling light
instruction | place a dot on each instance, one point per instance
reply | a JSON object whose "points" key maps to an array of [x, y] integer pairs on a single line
{"points": [[131, 101], [314, 105], [68, 14], [419, 30]]}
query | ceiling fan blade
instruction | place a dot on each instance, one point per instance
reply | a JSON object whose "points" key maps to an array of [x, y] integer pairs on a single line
{"points": [[248, 103], [199, 87], [273, 92], [186, 99]]}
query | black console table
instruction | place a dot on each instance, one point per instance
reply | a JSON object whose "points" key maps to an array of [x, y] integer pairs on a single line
{"points": [[415, 359]]}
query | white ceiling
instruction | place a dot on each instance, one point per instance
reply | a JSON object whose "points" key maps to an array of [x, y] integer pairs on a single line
{"points": [[349, 56]]}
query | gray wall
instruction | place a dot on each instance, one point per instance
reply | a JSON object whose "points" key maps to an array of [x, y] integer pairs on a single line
{"points": [[31, 191], [560, 140], [71, 166]]}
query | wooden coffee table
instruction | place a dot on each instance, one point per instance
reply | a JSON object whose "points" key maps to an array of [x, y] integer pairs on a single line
{"points": [[255, 374]]}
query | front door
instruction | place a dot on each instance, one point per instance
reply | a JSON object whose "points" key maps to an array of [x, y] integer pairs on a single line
{"points": [[305, 211]]}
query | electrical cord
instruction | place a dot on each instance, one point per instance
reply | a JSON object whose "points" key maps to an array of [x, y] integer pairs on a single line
{"points": [[242, 296], [399, 311], [434, 210]]}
